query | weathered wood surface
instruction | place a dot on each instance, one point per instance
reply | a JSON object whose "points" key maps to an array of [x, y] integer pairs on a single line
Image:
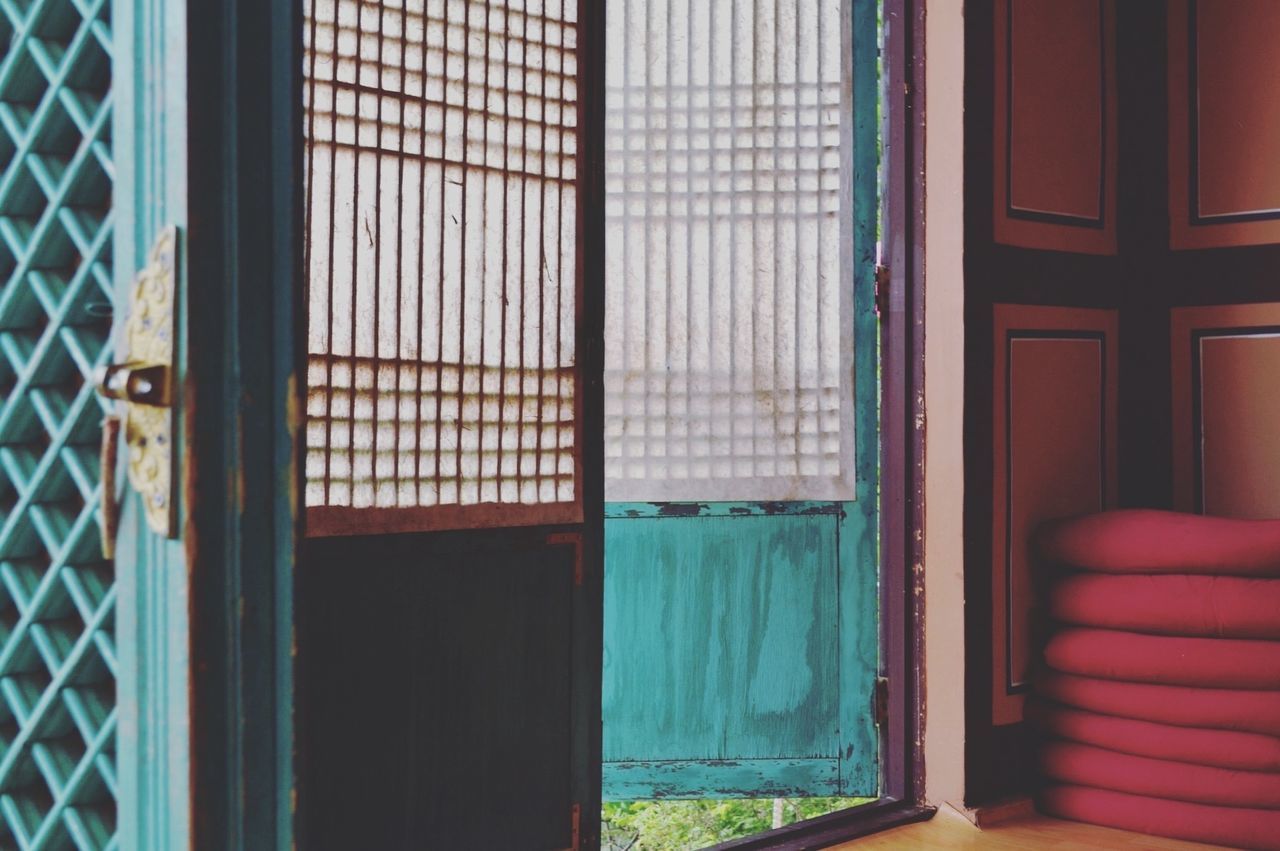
{"points": [[723, 647]]}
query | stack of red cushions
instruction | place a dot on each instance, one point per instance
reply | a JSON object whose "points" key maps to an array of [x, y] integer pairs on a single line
{"points": [[1160, 697]]}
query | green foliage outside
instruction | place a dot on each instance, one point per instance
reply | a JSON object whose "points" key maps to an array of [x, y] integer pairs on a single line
{"points": [[684, 825]]}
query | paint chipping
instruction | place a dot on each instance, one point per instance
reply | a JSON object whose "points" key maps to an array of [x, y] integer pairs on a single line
{"points": [[680, 509]]}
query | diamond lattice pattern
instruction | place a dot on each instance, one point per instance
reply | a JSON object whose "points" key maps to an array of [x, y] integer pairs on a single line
{"points": [[57, 595]]}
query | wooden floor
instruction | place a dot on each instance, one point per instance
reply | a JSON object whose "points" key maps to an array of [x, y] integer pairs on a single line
{"points": [[949, 829]]}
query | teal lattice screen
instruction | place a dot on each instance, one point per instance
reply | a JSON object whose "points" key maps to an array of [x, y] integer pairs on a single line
{"points": [[57, 595]]}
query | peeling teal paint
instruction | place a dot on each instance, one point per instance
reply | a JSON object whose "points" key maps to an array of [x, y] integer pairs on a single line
{"points": [[783, 677], [765, 778], [151, 192], [700, 656], [614, 510], [723, 649]]}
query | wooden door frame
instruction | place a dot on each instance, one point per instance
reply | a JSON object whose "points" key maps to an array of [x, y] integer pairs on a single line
{"points": [[902, 403], [902, 434], [243, 408], [248, 383]]}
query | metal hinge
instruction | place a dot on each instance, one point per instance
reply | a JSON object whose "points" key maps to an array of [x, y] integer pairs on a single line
{"points": [[880, 701], [576, 815], [882, 291]]}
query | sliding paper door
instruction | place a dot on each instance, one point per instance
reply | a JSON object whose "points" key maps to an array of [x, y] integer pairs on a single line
{"points": [[740, 615]]}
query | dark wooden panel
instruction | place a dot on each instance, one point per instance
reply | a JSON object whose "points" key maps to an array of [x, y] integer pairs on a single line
{"points": [[997, 758], [1053, 453], [436, 693], [1226, 456], [1055, 124], [1224, 122], [1144, 280]]}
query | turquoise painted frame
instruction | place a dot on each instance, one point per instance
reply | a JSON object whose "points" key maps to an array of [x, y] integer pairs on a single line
{"points": [[860, 533], [851, 766], [864, 515], [150, 139], [860, 755]]}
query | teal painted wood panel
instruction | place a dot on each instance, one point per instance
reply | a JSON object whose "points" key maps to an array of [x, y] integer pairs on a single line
{"points": [[722, 645], [859, 543], [150, 133], [762, 778], [58, 644]]}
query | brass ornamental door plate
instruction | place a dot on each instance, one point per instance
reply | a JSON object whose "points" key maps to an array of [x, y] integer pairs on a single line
{"points": [[143, 382]]}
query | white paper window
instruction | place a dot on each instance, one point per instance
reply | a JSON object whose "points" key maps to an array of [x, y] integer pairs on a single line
{"points": [[729, 370], [443, 287]]}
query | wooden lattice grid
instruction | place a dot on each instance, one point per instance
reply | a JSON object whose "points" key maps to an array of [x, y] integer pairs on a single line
{"points": [[728, 281], [443, 291], [58, 776]]}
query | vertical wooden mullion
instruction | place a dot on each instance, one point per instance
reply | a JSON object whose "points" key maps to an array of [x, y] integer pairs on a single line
{"points": [[376, 353], [688, 245], [421, 235], [818, 246], [542, 259], [355, 249], [524, 227], [797, 153], [440, 272], [731, 384], [459, 480], [749, 306], [624, 228], [581, 372], [308, 240], [669, 90], [647, 334], [559, 253], [504, 368], [397, 355], [713, 181], [484, 253], [775, 228], [330, 355]]}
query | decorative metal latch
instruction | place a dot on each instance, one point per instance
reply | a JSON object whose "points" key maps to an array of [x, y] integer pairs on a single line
{"points": [[143, 384]]}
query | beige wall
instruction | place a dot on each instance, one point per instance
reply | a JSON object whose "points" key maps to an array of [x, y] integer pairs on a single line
{"points": [[944, 402]]}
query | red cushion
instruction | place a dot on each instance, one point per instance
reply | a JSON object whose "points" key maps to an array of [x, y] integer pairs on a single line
{"points": [[1143, 541], [1085, 765], [1237, 827], [1222, 748], [1209, 606], [1181, 706], [1171, 660]]}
